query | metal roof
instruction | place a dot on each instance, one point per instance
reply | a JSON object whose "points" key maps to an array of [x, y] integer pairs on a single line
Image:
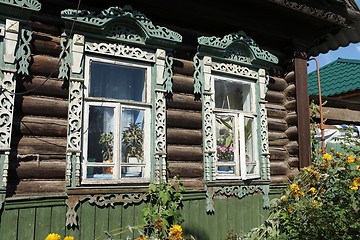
{"points": [[340, 76]]}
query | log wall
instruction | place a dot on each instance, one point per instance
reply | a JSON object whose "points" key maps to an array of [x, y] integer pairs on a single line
{"points": [[282, 124], [37, 163], [184, 134]]}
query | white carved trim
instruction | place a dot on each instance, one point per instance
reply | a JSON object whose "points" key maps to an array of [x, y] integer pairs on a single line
{"points": [[7, 99], [160, 66], [5, 169], [120, 50], [77, 53], [235, 69], [11, 40], [207, 61]]}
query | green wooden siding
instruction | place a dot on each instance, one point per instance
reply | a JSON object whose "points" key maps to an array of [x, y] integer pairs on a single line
{"points": [[34, 219]]}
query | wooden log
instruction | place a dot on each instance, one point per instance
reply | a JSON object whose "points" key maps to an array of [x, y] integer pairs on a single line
{"points": [[290, 77], [291, 118], [183, 67], [276, 111], [50, 107], [292, 173], [276, 135], [277, 84], [45, 44], [184, 101], [186, 169], [183, 119], [292, 147], [292, 133], [40, 145], [184, 84], [38, 85], [45, 66], [184, 136], [279, 179], [41, 170], [290, 105], [293, 162], [46, 28], [279, 142], [277, 153], [275, 97], [290, 91], [40, 126], [279, 168], [277, 124], [193, 183], [32, 187], [184, 153]]}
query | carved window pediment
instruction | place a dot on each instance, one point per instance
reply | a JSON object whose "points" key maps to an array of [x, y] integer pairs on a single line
{"points": [[138, 28]]}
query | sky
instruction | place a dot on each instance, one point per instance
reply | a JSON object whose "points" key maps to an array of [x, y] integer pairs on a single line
{"points": [[352, 52]]}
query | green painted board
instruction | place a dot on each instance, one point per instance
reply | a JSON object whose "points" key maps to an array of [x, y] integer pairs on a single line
{"points": [[8, 224], [58, 220], [127, 219], [138, 215], [115, 219], [26, 224], [42, 222], [101, 221], [87, 221]]}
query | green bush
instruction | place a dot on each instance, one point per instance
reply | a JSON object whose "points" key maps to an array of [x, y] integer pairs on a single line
{"points": [[322, 202]]}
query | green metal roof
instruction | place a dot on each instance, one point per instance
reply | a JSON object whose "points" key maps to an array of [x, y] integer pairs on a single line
{"points": [[340, 76]]}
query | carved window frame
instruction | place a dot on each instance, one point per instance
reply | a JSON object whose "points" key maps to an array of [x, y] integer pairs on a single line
{"points": [[125, 35], [238, 56]]}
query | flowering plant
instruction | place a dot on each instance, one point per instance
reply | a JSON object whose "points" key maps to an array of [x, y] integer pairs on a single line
{"points": [[224, 148], [54, 236]]}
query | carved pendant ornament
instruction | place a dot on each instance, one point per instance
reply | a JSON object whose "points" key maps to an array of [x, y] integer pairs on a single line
{"points": [[26, 4]]}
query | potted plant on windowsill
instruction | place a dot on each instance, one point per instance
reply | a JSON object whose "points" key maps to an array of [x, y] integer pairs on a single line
{"points": [[132, 140], [107, 144]]}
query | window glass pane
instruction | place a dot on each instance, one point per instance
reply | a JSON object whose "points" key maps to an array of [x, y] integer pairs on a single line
{"points": [[117, 81], [132, 172], [100, 134], [232, 95], [132, 130], [99, 172], [226, 169], [249, 146], [225, 138]]}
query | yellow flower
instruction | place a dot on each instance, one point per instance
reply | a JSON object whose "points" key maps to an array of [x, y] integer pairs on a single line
{"points": [[332, 149], [53, 236], [176, 233], [358, 167], [294, 187], [312, 190], [351, 187], [290, 209], [283, 198], [356, 182], [327, 156], [338, 153], [319, 150], [350, 159], [141, 238], [69, 238], [316, 204]]}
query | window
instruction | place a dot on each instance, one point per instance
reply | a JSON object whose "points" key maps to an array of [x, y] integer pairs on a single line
{"points": [[117, 121], [235, 128], [231, 77]]}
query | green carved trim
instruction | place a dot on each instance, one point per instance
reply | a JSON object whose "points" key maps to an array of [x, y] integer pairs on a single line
{"points": [[23, 4], [64, 69], [123, 24], [238, 191], [168, 73], [23, 53], [197, 74], [236, 47]]}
